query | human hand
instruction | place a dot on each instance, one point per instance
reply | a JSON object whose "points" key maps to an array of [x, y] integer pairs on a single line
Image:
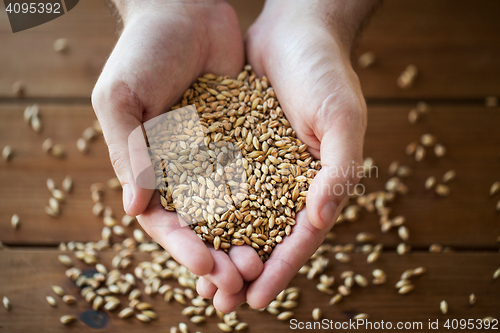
{"points": [[305, 53], [164, 47]]}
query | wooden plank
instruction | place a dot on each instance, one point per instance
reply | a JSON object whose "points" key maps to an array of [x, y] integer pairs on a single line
{"points": [[455, 45], [465, 220], [29, 55], [27, 276]]}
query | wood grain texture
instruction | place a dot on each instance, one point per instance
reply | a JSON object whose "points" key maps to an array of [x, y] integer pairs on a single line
{"points": [[454, 44], [27, 276], [465, 220]]}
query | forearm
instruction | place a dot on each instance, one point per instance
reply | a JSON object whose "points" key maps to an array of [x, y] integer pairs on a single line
{"points": [[128, 7], [344, 18]]}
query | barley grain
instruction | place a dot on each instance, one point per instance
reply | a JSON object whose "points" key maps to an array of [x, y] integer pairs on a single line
{"points": [[449, 176], [361, 316], [61, 45], [15, 221], [317, 314], [126, 313], [51, 300], [442, 190], [366, 60], [439, 150], [443, 306], [495, 188], [496, 275], [472, 299], [7, 153], [406, 289], [67, 319], [6, 303]]}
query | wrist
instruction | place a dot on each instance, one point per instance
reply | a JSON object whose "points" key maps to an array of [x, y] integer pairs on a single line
{"points": [[343, 18], [131, 8]]}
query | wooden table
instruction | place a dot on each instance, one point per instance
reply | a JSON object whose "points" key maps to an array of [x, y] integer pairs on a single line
{"points": [[456, 47]]}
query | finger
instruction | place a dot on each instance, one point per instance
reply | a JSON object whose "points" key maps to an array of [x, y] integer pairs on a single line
{"points": [[226, 302], [120, 113], [341, 162], [247, 262], [285, 261], [205, 288], [224, 274], [181, 242]]}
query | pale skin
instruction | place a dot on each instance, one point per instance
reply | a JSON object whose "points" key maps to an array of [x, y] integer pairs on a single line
{"points": [[303, 47]]}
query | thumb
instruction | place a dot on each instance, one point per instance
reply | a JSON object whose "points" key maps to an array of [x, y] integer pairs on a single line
{"points": [[341, 153], [120, 112]]}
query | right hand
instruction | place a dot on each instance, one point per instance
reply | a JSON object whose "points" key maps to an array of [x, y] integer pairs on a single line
{"points": [[164, 47]]}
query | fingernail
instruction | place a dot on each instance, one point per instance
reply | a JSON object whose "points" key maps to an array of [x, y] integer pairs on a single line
{"points": [[328, 212], [127, 196]]}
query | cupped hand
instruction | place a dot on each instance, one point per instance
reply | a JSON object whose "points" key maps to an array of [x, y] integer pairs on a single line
{"points": [[164, 47], [307, 61]]}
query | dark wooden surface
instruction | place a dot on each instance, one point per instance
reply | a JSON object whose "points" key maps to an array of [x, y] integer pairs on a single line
{"points": [[454, 44], [450, 277], [468, 132]]}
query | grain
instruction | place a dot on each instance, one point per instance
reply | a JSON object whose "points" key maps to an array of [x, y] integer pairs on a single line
{"points": [[114, 184], [15, 221], [150, 314], [65, 260], [126, 313], [224, 327], [231, 166], [420, 153], [443, 306], [143, 318], [442, 190], [422, 107], [495, 188], [69, 299], [90, 134], [406, 289], [428, 140], [67, 184], [58, 151], [183, 328], [407, 78], [47, 145], [364, 237], [449, 176], [472, 299], [335, 299], [82, 145], [18, 88], [439, 150], [61, 45], [411, 147], [197, 319], [36, 123], [286, 315], [7, 153], [317, 314], [413, 116], [361, 316], [6, 303], [51, 300], [403, 233], [430, 182], [241, 326], [67, 319], [127, 220], [58, 291], [496, 275], [366, 60]]}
